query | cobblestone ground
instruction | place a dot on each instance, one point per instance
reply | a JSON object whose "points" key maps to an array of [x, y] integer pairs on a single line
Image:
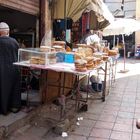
{"points": [[114, 119]]}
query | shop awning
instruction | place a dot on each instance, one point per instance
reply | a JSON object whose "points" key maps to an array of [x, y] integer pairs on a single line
{"points": [[75, 8], [27, 6]]}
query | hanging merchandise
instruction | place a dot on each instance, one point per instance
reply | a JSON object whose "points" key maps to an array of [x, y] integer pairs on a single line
{"points": [[93, 21], [76, 33], [85, 22]]}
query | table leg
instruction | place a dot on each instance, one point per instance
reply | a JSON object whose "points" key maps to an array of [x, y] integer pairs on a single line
{"points": [[104, 87]]}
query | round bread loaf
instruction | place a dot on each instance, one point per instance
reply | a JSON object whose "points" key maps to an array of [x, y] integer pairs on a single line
{"points": [[112, 52], [80, 65]]}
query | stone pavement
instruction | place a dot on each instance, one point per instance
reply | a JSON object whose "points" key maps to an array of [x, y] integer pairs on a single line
{"points": [[114, 119]]}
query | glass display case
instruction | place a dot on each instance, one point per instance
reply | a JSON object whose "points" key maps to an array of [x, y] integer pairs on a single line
{"points": [[36, 56]]}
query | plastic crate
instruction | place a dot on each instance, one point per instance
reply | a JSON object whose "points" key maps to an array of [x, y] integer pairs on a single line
{"points": [[69, 58]]}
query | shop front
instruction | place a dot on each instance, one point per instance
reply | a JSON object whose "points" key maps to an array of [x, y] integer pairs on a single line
{"points": [[93, 15], [22, 17], [23, 20]]}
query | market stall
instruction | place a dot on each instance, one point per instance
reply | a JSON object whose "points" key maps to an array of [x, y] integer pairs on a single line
{"points": [[70, 68], [77, 15], [122, 26]]}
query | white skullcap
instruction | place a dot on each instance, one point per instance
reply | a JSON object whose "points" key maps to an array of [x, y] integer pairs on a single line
{"points": [[4, 26]]}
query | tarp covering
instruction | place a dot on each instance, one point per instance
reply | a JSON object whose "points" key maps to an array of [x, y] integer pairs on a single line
{"points": [[122, 26], [75, 8]]}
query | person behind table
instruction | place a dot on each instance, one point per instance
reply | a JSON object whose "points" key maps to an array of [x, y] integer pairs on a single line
{"points": [[10, 97], [92, 38], [62, 37], [83, 40]]}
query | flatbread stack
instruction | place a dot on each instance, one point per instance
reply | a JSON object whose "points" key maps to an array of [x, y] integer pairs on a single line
{"points": [[37, 60], [80, 65], [59, 43], [84, 59], [45, 49], [90, 63], [112, 52], [105, 57], [58, 48], [105, 50]]}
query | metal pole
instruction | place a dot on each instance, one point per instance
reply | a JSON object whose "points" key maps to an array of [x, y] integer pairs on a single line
{"points": [[124, 70], [65, 19], [114, 41], [124, 51]]}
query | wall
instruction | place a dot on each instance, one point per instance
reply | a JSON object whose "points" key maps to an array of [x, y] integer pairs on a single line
{"points": [[131, 10], [115, 7], [21, 22], [137, 35], [18, 20]]}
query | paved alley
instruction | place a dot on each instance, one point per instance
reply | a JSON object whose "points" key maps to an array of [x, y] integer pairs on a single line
{"points": [[114, 119]]}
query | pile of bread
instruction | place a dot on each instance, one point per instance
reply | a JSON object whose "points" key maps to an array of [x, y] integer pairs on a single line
{"points": [[100, 56], [57, 46], [37, 60], [87, 59], [109, 52], [84, 59], [49, 56]]}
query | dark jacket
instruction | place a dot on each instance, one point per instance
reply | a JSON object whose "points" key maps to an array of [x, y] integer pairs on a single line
{"points": [[9, 75]]}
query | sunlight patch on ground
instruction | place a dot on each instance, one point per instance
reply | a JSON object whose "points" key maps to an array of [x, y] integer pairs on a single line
{"points": [[132, 66]]}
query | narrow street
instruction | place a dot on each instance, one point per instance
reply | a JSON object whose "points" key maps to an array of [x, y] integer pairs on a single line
{"points": [[57, 65], [114, 119]]}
